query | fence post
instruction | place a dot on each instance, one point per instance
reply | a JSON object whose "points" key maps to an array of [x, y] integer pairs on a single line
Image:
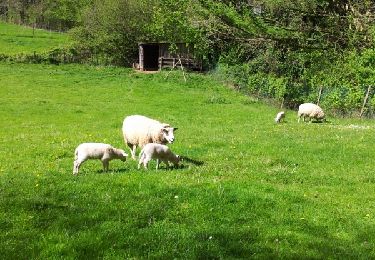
{"points": [[365, 101], [320, 94]]}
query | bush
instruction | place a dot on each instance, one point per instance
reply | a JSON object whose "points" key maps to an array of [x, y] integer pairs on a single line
{"points": [[343, 78]]}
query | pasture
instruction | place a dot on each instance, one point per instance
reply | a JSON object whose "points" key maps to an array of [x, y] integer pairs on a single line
{"points": [[15, 39], [264, 190]]}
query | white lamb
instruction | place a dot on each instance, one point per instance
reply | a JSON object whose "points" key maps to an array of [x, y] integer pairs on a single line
{"points": [[159, 152], [104, 152], [280, 116], [141, 130], [310, 110]]}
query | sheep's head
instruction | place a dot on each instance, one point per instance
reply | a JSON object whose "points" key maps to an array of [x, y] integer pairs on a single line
{"points": [[320, 116], [122, 155], [177, 160], [168, 133]]}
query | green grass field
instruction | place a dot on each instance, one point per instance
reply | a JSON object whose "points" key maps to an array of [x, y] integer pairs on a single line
{"points": [[264, 191], [16, 39]]}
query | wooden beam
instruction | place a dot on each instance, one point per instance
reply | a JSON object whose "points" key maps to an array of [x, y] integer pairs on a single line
{"points": [[365, 100]]}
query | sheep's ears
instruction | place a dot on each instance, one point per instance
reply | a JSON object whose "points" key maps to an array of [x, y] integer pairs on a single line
{"points": [[175, 128]]}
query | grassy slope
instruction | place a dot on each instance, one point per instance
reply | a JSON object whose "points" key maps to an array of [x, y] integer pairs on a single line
{"points": [[18, 39], [264, 190]]}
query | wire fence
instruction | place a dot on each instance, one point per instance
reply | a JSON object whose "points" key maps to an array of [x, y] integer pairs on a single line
{"points": [[356, 101], [60, 56]]}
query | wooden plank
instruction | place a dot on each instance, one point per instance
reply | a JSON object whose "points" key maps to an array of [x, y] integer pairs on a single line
{"points": [[172, 62], [365, 101], [141, 60], [319, 95]]}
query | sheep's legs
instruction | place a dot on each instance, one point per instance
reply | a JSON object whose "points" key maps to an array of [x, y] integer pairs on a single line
{"points": [[299, 118], [144, 159], [76, 166], [140, 162], [145, 163], [157, 164], [167, 164], [105, 165], [133, 150]]}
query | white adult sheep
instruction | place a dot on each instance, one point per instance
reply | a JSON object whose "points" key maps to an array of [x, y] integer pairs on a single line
{"points": [[140, 130], [280, 116], [159, 152], [104, 152], [311, 111]]}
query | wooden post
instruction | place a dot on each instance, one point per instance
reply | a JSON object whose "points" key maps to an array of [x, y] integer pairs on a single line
{"points": [[160, 63], [141, 60], [320, 94], [175, 64], [182, 68], [365, 101]]}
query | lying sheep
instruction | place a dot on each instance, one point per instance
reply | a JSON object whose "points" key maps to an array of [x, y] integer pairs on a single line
{"points": [[280, 116], [159, 152], [141, 130], [104, 152], [310, 110]]}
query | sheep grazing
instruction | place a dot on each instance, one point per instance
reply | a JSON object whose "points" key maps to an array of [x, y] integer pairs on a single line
{"points": [[159, 152], [140, 130], [279, 117], [311, 111], [104, 152]]}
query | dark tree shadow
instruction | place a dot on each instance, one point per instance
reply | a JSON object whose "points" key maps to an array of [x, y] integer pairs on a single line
{"points": [[190, 160]]}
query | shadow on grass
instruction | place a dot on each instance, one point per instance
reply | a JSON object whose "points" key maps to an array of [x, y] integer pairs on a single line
{"points": [[322, 122], [163, 167], [190, 160], [181, 166], [112, 171], [313, 122]]}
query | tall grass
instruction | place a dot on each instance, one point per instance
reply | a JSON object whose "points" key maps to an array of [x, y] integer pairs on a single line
{"points": [[15, 39], [264, 190]]}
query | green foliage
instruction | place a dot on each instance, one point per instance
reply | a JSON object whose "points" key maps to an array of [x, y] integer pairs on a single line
{"points": [[50, 14], [288, 49], [25, 44], [264, 190], [171, 21], [113, 28], [344, 81], [296, 47]]}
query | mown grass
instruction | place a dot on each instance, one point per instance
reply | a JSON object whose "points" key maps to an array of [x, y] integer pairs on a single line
{"points": [[15, 39], [264, 191]]}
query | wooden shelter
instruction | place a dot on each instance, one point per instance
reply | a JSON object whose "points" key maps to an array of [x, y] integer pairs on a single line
{"points": [[156, 56]]}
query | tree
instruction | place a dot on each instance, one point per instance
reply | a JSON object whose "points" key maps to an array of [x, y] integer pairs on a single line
{"points": [[57, 15], [113, 28]]}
